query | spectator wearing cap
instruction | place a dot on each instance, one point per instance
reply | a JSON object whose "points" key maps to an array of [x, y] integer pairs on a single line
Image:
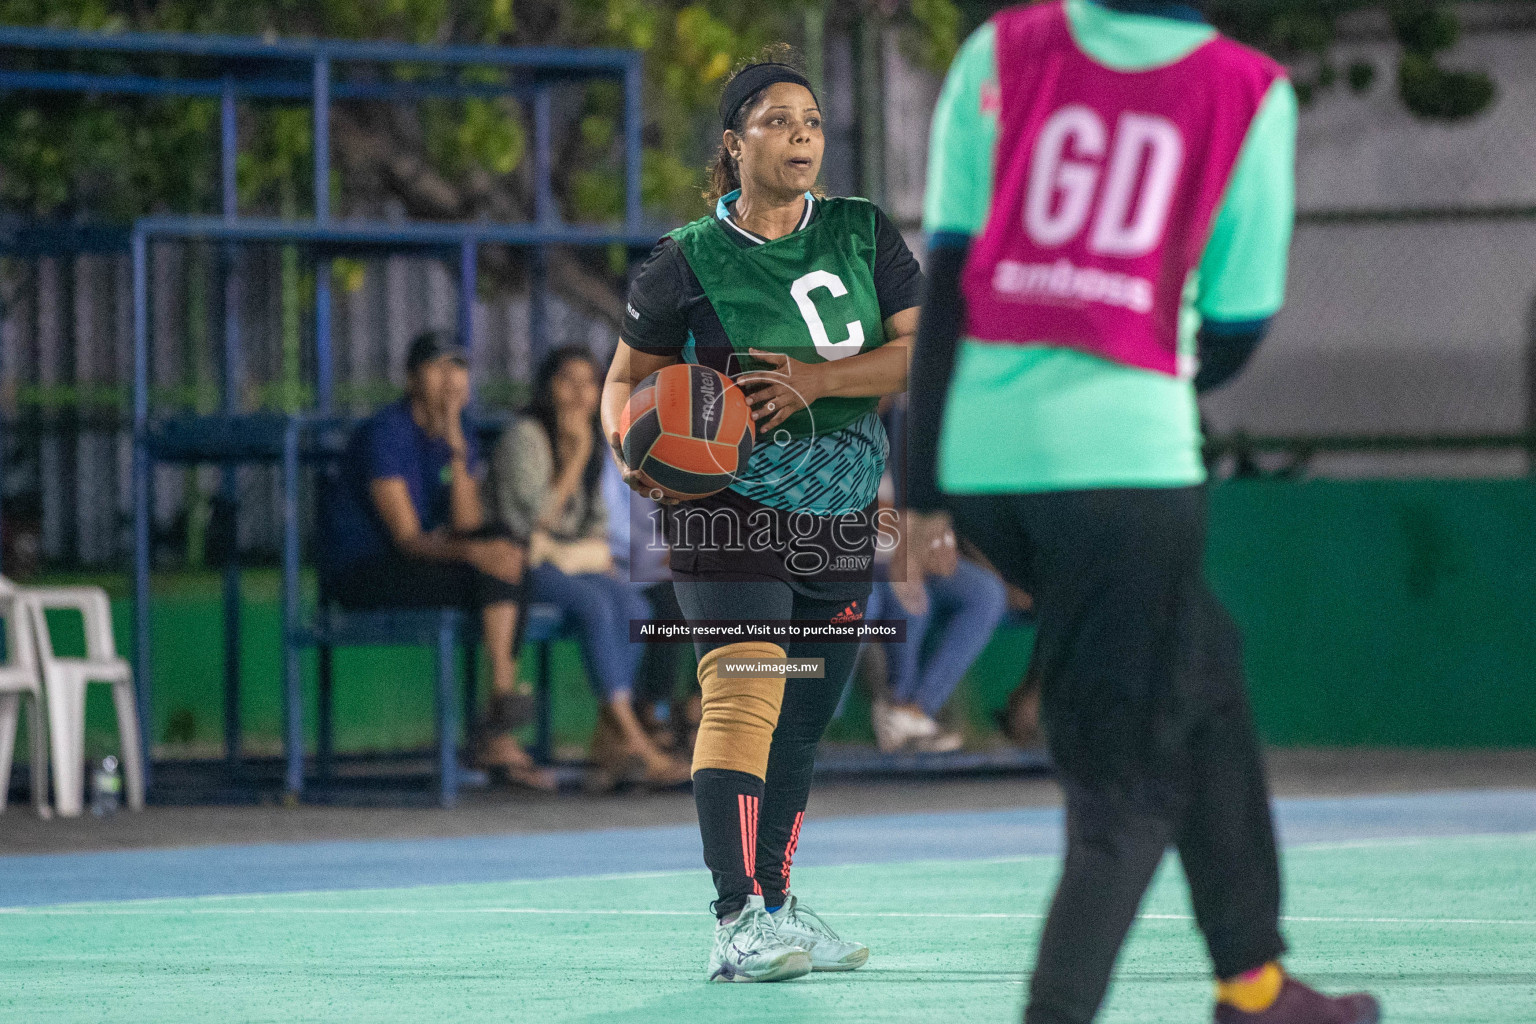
{"points": [[405, 528]]}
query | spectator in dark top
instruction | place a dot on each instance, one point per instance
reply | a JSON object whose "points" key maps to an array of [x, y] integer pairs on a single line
{"points": [[406, 528]]}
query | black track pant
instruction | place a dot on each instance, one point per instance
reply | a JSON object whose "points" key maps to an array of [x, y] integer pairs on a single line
{"points": [[751, 826], [1148, 723]]}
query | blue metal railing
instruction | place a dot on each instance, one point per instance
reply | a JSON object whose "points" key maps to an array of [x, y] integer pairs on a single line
{"points": [[277, 70], [317, 72], [553, 60]]}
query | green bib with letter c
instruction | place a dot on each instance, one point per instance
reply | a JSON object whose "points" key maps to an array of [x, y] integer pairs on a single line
{"points": [[810, 295]]}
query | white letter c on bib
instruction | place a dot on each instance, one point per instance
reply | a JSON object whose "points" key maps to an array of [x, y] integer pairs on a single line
{"points": [[825, 346]]}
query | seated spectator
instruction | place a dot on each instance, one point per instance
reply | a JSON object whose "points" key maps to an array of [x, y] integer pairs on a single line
{"points": [[546, 474], [405, 529], [959, 598]]}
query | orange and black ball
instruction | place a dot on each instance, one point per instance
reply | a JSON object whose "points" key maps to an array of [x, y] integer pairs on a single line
{"points": [[688, 428]]}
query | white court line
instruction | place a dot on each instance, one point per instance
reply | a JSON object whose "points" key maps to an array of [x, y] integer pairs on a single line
{"points": [[1393, 841], [80, 911], [625, 876]]}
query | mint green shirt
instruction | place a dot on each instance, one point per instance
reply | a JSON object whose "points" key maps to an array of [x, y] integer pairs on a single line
{"points": [[1043, 417]]}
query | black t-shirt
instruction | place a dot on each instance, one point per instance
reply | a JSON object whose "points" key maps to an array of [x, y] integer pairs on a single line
{"points": [[666, 301]]}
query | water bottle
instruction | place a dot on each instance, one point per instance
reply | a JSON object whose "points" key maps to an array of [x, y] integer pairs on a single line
{"points": [[106, 788]]}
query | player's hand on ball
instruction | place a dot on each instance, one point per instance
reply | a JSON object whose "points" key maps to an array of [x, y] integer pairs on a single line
{"points": [[633, 478], [785, 389]]}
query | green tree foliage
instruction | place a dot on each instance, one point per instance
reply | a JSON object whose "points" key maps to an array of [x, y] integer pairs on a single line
{"points": [[1429, 89], [1305, 32]]}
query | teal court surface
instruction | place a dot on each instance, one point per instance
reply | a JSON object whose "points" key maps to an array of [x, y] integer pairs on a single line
{"points": [[1429, 900]]}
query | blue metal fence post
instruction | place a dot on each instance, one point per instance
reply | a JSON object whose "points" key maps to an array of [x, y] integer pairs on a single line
{"points": [[468, 281], [448, 634], [229, 476], [142, 512], [632, 151], [322, 114], [228, 147], [293, 693], [322, 101], [448, 723], [538, 311], [323, 370], [544, 214], [469, 258]]}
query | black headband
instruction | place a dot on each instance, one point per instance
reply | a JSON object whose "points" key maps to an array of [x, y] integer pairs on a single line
{"points": [[751, 80]]}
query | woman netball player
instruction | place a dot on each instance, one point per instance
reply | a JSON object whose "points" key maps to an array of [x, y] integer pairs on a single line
{"points": [[811, 304]]}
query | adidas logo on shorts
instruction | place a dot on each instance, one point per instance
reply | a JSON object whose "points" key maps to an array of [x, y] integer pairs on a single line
{"points": [[852, 613]]}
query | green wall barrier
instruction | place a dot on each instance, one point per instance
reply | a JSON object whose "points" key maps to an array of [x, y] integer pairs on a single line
{"points": [[1393, 613], [1390, 613]]}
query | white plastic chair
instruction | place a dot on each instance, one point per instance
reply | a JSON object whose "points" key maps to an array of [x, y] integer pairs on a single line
{"points": [[64, 683], [20, 679]]}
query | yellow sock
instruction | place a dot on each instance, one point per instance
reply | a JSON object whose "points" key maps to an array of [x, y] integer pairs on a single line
{"points": [[1253, 992]]}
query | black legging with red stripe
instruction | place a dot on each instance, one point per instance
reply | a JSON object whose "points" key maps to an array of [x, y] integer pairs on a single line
{"points": [[751, 826]]}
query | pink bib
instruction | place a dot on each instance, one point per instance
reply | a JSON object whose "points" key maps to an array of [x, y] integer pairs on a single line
{"points": [[1104, 189]]}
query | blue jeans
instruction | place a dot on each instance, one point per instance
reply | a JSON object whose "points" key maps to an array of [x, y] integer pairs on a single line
{"points": [[601, 606], [966, 608]]}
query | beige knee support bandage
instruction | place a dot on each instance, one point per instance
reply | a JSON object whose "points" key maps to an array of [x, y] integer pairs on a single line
{"points": [[740, 712]]}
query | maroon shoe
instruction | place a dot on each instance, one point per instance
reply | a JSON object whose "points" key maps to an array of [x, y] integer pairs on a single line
{"points": [[1298, 1004]]}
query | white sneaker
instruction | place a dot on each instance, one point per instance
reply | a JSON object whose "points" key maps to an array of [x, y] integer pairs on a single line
{"points": [[897, 728], [800, 926], [887, 737], [938, 740], [947, 741], [749, 948], [915, 724]]}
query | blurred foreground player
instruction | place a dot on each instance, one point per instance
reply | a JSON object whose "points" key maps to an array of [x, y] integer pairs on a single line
{"points": [[1109, 187]]}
